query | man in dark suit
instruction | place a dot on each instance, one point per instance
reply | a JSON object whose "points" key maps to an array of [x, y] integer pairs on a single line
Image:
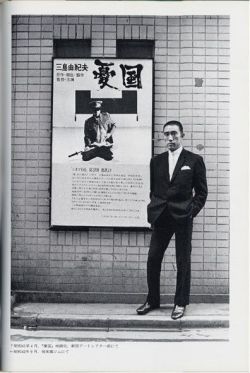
{"points": [[178, 193]]}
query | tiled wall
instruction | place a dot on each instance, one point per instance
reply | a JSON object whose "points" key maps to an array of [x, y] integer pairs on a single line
{"points": [[191, 83]]}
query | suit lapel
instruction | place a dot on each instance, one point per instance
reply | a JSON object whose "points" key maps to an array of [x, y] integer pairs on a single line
{"points": [[166, 167], [179, 164]]}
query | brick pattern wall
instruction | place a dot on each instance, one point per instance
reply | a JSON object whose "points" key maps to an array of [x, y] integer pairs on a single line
{"points": [[191, 83]]}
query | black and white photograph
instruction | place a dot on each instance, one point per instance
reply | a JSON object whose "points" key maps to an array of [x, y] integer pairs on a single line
{"points": [[123, 208]]}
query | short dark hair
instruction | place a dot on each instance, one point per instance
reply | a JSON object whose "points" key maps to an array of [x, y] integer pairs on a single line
{"points": [[174, 123]]}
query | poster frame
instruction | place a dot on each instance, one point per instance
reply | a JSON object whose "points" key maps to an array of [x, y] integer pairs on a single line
{"points": [[54, 227]]}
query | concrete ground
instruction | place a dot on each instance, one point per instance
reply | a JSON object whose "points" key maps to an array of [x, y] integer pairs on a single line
{"points": [[117, 322]]}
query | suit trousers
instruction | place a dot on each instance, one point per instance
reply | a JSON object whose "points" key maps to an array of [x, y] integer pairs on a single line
{"points": [[165, 227]]}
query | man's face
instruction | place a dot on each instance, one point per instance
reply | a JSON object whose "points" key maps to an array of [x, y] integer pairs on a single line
{"points": [[96, 111], [173, 137]]}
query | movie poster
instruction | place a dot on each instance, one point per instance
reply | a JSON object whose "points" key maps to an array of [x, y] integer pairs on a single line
{"points": [[101, 142]]}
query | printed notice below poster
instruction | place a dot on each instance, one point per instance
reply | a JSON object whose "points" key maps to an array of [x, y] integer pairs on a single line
{"points": [[101, 142]]}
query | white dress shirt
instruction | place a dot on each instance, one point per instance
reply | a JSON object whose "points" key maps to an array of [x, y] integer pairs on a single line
{"points": [[101, 132], [172, 160]]}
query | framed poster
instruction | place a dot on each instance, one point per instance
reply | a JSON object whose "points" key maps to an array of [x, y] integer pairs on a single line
{"points": [[101, 142]]}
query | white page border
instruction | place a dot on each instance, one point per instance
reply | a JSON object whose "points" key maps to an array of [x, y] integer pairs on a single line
{"points": [[205, 356]]}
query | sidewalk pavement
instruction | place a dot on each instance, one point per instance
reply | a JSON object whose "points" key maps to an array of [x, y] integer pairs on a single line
{"points": [[116, 316]]}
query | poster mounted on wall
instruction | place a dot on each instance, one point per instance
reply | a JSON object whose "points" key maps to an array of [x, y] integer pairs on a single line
{"points": [[101, 142]]}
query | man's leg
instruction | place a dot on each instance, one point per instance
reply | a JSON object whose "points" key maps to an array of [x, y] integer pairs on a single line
{"points": [[158, 244], [101, 152], [90, 154], [183, 245], [105, 153]]}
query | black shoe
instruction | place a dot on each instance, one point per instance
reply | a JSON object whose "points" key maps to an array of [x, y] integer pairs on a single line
{"points": [[145, 308], [178, 312]]}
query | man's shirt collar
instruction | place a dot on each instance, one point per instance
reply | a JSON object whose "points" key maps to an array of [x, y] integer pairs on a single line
{"points": [[176, 152]]}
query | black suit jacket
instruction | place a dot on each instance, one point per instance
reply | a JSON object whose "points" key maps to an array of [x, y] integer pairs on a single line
{"points": [[185, 194]]}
